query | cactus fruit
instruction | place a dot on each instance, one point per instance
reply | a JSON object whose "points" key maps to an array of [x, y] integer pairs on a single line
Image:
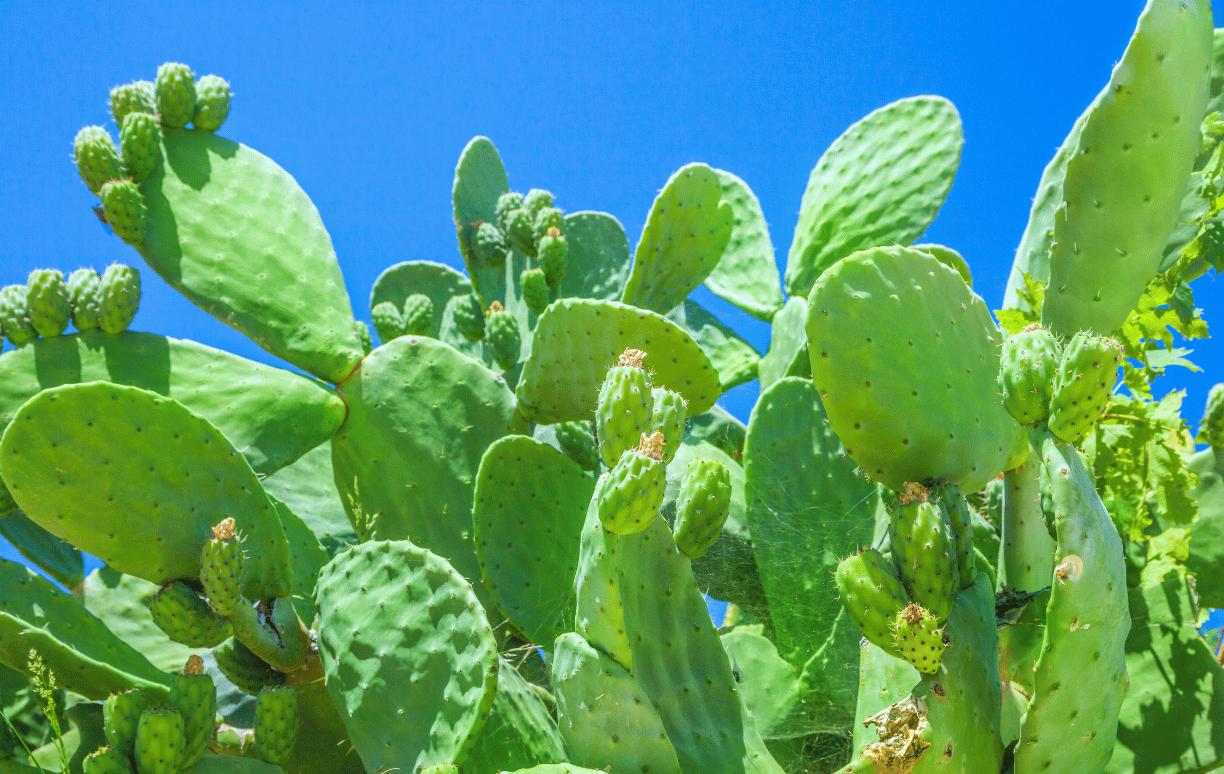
{"points": [[185, 618], [139, 141], [97, 158], [551, 252], [125, 210], [212, 103], [630, 494], [160, 742], [960, 523], [1026, 374], [118, 298], [925, 556], [47, 304], [134, 97], [491, 245], [577, 440], [221, 569], [535, 290], [244, 669], [1211, 428], [918, 638], [520, 231], [504, 338], [106, 760], [506, 204], [669, 417], [194, 697], [276, 724], [418, 315], [873, 596], [546, 220], [536, 200], [14, 317], [1083, 385], [120, 718], [469, 317], [176, 94], [624, 411], [363, 334], [85, 298], [702, 507], [388, 321]]}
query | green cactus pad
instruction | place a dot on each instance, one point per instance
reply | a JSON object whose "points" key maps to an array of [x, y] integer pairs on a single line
{"points": [[14, 317], [276, 724], [273, 416], [535, 290], [599, 613], [577, 440], [734, 358], [134, 97], [747, 274], [225, 225], [787, 355], [669, 417], [176, 94], [505, 341], [121, 715], [78, 648], [1087, 622], [480, 179], [85, 296], [924, 553], [118, 298], [526, 533], [212, 103], [248, 672], [47, 305], [1026, 373], [96, 157], [578, 340], [186, 618], [194, 697], [766, 682], [872, 595], [596, 257], [918, 639], [552, 251], [420, 418], [160, 742], [400, 628], [702, 506], [106, 761], [630, 494], [418, 315], [308, 489], [913, 391], [60, 464], [125, 210], [139, 142], [1083, 386], [520, 731], [53, 556], [1108, 237], [440, 284], [913, 149], [604, 715], [720, 429], [122, 603], [623, 413], [687, 231], [950, 258]]}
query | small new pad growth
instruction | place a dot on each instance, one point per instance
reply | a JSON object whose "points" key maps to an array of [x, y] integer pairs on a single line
{"points": [[702, 507], [221, 569], [160, 742], [546, 221], [1211, 429], [491, 245], [577, 440], [47, 304], [919, 639], [96, 157], [176, 94], [551, 252], [140, 140], [388, 321], [535, 290], [106, 760], [1083, 385], [14, 317], [194, 697], [1026, 374], [506, 204], [872, 596], [212, 103], [134, 97], [276, 724], [85, 298], [186, 618], [631, 493], [670, 414], [125, 210], [925, 556], [118, 297], [120, 718], [504, 338], [469, 317], [418, 315], [625, 408]]}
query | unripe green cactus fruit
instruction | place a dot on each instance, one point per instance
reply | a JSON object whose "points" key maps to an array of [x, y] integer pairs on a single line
{"points": [[363, 334], [919, 638], [669, 415], [491, 245], [520, 230], [176, 94], [244, 669], [106, 760], [535, 290], [624, 411], [1083, 386], [872, 596], [97, 158], [140, 142], [1211, 429], [552, 251], [194, 697], [631, 493], [506, 204], [577, 440], [212, 103], [536, 200], [418, 315], [1026, 374], [504, 337], [14, 318], [960, 522], [925, 555], [134, 97], [186, 618], [47, 304], [469, 317], [276, 724], [85, 298], [119, 298], [120, 718], [702, 507], [546, 220], [388, 321], [160, 742], [221, 569], [125, 211]]}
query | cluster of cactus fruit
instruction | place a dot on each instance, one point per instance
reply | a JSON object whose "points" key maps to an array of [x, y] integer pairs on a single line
{"points": [[949, 541]]}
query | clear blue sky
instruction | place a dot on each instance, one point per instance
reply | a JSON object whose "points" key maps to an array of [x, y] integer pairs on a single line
{"points": [[370, 106]]}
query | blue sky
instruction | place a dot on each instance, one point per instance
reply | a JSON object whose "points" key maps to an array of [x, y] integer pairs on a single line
{"points": [[369, 107]]}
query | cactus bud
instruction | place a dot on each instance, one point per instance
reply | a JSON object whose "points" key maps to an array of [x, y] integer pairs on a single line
{"points": [[363, 336], [630, 494], [47, 305], [702, 507], [85, 298], [918, 638], [106, 760], [670, 414], [118, 297], [134, 97], [212, 103], [186, 618], [276, 724], [535, 290], [925, 555], [872, 596], [519, 231], [625, 407], [1026, 374], [1083, 385], [504, 338], [418, 315], [248, 672], [139, 140], [125, 211], [506, 204], [546, 221], [194, 697], [552, 251], [388, 321], [97, 158], [536, 200], [491, 246], [160, 742], [120, 718], [468, 317], [221, 569], [15, 317], [1211, 429], [176, 94]]}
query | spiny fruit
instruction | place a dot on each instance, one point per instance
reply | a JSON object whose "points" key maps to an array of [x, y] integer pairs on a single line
{"points": [[248, 672], [276, 724], [14, 317], [186, 618], [577, 440], [176, 94], [85, 298], [630, 494], [546, 220], [469, 317], [221, 569], [624, 410], [160, 741], [106, 760], [925, 555], [363, 335], [47, 304], [534, 289], [702, 507], [194, 697], [506, 204], [139, 139], [536, 200], [120, 718], [1084, 385], [872, 596], [490, 245], [388, 321], [519, 230], [124, 207], [97, 158], [551, 251], [134, 97], [1026, 373], [919, 639], [212, 103], [670, 414], [418, 315], [118, 297], [504, 338]]}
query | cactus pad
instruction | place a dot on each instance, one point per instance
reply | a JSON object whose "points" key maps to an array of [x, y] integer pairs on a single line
{"points": [[596, 257], [437, 282], [577, 440], [747, 274]]}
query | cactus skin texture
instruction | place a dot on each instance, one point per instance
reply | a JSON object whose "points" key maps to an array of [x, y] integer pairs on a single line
{"points": [[121, 716], [176, 94], [631, 493], [118, 298], [125, 210], [185, 618], [918, 638], [490, 245], [139, 141], [552, 251], [536, 201], [244, 669], [388, 321], [519, 233], [212, 103], [418, 315], [577, 440], [469, 318], [925, 554], [107, 760], [221, 569], [702, 507], [85, 298], [194, 697], [624, 410], [160, 742], [47, 304], [15, 316], [668, 418], [134, 97], [535, 290], [276, 724], [1026, 374], [506, 204], [1083, 385], [97, 158], [548, 221], [502, 332], [873, 596]]}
